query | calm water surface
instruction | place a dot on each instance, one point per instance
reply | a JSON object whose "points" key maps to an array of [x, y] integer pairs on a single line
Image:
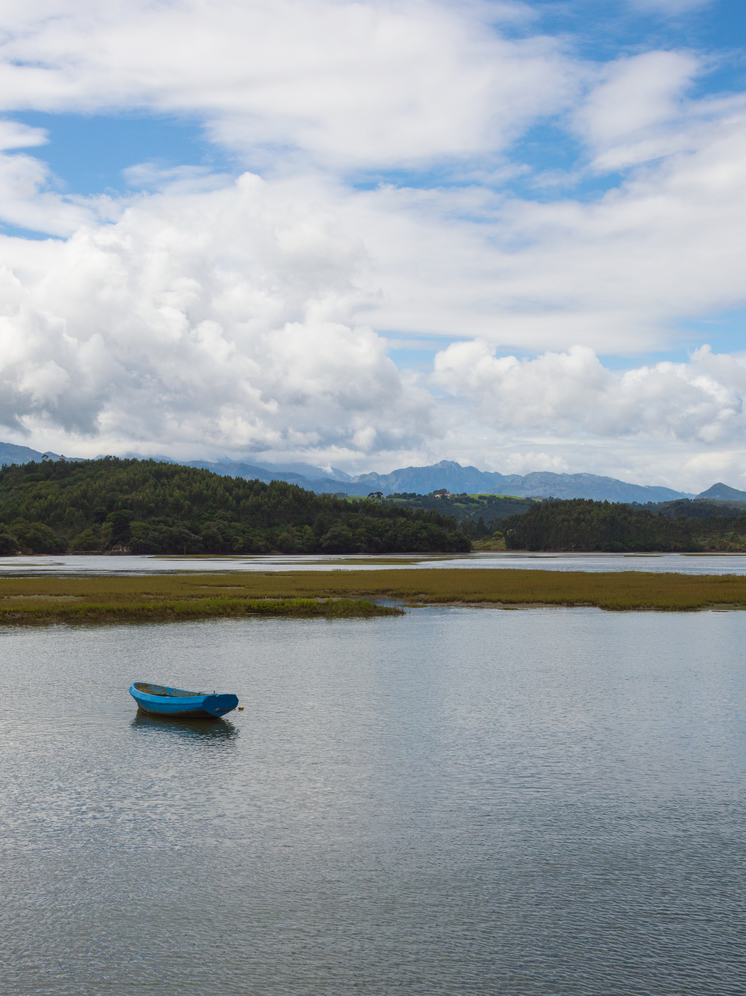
{"points": [[678, 563], [458, 801]]}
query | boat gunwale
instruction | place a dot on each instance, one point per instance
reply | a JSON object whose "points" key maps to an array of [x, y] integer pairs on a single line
{"points": [[166, 692]]}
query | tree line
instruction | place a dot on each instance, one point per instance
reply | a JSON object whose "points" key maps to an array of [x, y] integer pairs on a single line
{"points": [[584, 525], [146, 506]]}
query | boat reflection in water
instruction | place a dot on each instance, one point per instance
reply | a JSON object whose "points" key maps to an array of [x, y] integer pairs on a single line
{"points": [[216, 729]]}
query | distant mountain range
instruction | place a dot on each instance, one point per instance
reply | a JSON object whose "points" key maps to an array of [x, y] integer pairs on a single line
{"points": [[458, 479], [10, 453], [424, 480]]}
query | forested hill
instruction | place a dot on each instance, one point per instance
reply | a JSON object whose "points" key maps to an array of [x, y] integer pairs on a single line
{"points": [[593, 525], [143, 506], [477, 515]]}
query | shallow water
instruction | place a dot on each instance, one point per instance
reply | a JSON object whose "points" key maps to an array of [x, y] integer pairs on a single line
{"points": [[456, 801], [678, 563]]}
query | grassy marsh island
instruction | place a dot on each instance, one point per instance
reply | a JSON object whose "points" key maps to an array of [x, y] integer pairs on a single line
{"points": [[164, 598], [346, 594]]}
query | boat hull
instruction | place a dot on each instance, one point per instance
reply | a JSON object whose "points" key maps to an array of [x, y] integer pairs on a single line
{"points": [[160, 700]]}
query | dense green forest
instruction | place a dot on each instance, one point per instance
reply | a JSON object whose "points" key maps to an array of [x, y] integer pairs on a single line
{"points": [[582, 524], [478, 516], [694, 508], [143, 506]]}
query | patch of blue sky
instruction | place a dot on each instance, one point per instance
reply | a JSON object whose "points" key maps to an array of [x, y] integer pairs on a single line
{"points": [[15, 231], [556, 167], [726, 332], [89, 153], [543, 165], [723, 333], [712, 24], [548, 145], [594, 29], [414, 353], [446, 174], [725, 77], [604, 29], [420, 360]]}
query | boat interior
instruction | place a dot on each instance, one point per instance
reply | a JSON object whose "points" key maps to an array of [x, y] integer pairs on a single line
{"points": [[145, 686]]}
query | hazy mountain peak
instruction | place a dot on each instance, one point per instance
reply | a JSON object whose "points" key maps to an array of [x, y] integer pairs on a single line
{"points": [[722, 492], [11, 453]]}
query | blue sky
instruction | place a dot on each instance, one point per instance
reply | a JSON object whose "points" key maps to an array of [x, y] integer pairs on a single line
{"points": [[600, 29], [368, 234], [88, 153]]}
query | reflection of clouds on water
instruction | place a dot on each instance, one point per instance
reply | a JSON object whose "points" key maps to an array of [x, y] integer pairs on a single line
{"points": [[203, 730]]}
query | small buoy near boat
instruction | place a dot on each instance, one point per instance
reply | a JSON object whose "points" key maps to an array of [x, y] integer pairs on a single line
{"points": [[240, 708]]}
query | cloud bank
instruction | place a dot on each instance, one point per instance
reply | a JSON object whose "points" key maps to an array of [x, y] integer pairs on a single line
{"points": [[382, 190], [572, 393], [214, 319]]}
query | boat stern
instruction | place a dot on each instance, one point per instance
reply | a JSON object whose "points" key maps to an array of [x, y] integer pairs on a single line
{"points": [[219, 705]]}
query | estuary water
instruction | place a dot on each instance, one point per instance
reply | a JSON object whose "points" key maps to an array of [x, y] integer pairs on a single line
{"points": [[677, 563], [457, 801]]}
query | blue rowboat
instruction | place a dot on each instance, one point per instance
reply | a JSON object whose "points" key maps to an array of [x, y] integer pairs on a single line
{"points": [[163, 701]]}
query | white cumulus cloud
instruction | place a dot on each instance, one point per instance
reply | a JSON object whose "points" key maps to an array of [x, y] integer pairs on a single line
{"points": [[573, 393], [219, 319]]}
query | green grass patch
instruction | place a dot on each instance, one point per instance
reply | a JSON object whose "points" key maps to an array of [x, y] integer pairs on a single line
{"points": [[40, 608], [343, 594]]}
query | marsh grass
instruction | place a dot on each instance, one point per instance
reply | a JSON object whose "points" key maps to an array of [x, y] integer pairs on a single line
{"points": [[132, 605], [344, 594]]}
